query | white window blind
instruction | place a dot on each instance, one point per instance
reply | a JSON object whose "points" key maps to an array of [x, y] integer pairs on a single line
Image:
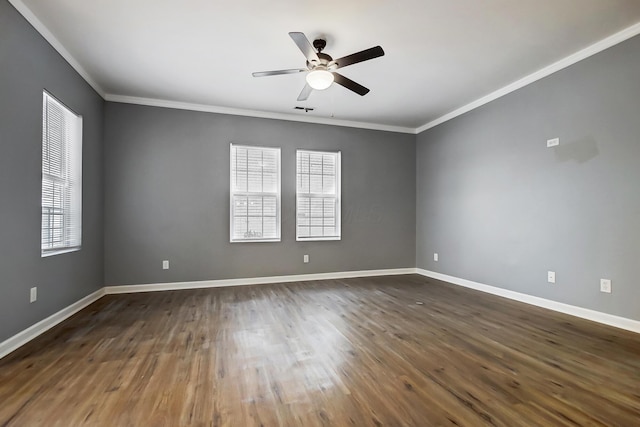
{"points": [[318, 195], [255, 194], [61, 178]]}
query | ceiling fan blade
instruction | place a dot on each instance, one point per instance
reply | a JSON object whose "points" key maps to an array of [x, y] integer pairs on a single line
{"points": [[306, 91], [303, 44], [354, 58], [350, 84], [278, 72]]}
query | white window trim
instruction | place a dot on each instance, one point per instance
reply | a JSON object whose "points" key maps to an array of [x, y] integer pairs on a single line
{"points": [[338, 198], [278, 196], [76, 171]]}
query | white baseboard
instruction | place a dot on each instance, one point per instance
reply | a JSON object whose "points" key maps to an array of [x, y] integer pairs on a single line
{"points": [[32, 332], [21, 338], [584, 313], [127, 289]]}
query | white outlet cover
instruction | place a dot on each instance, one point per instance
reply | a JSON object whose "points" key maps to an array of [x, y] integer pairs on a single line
{"points": [[435, 257], [165, 265], [605, 286], [33, 294], [551, 276], [553, 142], [305, 258]]}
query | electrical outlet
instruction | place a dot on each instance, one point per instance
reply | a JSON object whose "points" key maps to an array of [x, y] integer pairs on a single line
{"points": [[605, 286], [435, 257], [551, 276], [553, 142], [165, 264], [33, 295], [305, 259]]}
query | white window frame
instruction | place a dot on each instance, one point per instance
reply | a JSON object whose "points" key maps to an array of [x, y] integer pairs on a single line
{"points": [[61, 192], [234, 192], [337, 195]]}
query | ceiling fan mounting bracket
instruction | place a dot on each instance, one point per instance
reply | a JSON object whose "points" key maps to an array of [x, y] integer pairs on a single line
{"points": [[319, 44]]}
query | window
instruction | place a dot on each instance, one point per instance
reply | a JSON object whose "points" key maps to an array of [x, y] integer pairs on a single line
{"points": [[255, 194], [318, 195], [61, 178]]}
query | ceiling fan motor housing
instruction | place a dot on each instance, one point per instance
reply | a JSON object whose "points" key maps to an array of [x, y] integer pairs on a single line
{"points": [[325, 62]]}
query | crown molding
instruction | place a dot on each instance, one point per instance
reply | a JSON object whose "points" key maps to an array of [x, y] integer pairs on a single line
{"points": [[591, 50], [55, 43], [565, 62], [585, 53], [153, 102]]}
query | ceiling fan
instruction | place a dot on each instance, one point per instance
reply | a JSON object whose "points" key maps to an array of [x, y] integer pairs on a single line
{"points": [[321, 67]]}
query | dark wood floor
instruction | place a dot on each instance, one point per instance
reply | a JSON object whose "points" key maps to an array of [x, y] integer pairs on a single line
{"points": [[357, 352]]}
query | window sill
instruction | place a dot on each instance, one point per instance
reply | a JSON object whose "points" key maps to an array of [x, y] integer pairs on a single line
{"points": [[317, 239], [255, 241], [58, 252]]}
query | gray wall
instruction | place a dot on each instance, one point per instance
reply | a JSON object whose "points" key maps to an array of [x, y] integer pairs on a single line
{"points": [[167, 197], [485, 193], [28, 64], [500, 208]]}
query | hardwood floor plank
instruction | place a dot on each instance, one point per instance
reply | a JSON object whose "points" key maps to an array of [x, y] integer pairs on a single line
{"points": [[378, 351]]}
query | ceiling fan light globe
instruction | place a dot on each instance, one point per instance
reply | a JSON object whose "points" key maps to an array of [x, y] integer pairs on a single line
{"points": [[320, 79]]}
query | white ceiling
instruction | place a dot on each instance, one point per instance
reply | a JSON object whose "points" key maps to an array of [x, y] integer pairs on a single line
{"points": [[441, 55]]}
